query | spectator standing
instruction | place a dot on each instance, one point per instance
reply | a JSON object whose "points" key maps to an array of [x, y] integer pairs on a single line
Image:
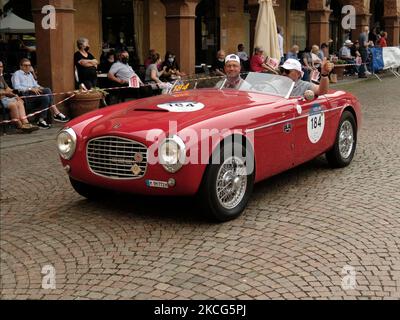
{"points": [[219, 63], [383, 40], [15, 104], [86, 64], [244, 58], [364, 43], [25, 83], [280, 43]]}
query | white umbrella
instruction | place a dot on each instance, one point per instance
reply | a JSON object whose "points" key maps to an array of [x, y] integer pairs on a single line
{"points": [[266, 35], [14, 24]]}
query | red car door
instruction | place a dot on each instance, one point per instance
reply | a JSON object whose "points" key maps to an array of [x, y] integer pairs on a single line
{"points": [[274, 141], [312, 126]]}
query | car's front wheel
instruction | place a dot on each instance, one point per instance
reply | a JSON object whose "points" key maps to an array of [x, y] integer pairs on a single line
{"points": [[88, 191], [343, 150], [228, 183]]}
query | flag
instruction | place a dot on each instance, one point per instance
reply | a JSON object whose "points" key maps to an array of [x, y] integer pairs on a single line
{"points": [[377, 59]]}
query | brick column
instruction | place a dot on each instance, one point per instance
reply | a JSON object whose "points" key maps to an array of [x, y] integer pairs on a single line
{"points": [[55, 47], [392, 27], [180, 31], [318, 29]]}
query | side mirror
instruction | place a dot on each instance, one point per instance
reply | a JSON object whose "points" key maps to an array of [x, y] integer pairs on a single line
{"points": [[309, 95]]}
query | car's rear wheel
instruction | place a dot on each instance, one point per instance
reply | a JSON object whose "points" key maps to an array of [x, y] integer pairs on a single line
{"points": [[88, 191], [344, 148], [228, 183]]}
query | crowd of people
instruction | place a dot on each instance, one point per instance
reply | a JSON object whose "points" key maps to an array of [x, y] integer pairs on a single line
{"points": [[25, 92]]}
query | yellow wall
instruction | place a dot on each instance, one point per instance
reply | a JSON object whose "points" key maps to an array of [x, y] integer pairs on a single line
{"points": [[88, 23], [234, 25], [156, 27]]}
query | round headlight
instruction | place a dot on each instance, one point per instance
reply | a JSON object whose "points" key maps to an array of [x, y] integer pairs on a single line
{"points": [[66, 143], [172, 154]]}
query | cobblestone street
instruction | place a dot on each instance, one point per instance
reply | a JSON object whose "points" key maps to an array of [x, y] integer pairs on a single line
{"points": [[301, 228]]}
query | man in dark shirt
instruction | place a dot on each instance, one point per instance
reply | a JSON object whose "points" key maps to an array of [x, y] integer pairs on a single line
{"points": [[219, 63]]}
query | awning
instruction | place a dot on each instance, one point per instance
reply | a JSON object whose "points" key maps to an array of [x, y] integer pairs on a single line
{"points": [[14, 24]]}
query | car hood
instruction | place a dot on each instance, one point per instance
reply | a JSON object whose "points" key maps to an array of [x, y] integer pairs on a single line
{"points": [[158, 112]]}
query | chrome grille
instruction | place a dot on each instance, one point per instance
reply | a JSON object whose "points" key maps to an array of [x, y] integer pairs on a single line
{"points": [[114, 157]]}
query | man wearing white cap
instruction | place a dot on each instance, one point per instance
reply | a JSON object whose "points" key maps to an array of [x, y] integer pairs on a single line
{"points": [[232, 70], [345, 54], [292, 69]]}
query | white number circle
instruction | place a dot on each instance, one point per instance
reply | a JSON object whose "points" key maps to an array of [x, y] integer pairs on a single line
{"points": [[181, 106], [315, 126]]}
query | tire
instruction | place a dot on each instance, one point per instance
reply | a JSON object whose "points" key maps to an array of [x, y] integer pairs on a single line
{"points": [[88, 191], [229, 182], [343, 150]]}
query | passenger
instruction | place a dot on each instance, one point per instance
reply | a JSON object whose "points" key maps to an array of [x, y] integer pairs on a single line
{"points": [[292, 69]]}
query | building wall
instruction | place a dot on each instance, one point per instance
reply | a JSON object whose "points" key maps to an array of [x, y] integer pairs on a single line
{"points": [[156, 27], [88, 23], [234, 25]]}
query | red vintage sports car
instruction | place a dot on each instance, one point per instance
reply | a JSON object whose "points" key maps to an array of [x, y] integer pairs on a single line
{"points": [[211, 142]]}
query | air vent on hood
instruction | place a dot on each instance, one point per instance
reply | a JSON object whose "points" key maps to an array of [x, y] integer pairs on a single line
{"points": [[151, 110]]}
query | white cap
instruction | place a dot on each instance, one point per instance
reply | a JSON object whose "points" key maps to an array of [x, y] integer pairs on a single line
{"points": [[292, 64], [348, 42], [232, 57]]}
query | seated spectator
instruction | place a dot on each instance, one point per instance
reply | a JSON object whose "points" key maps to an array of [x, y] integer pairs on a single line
{"points": [[308, 64], [172, 71], [354, 50], [257, 62], [345, 54], [15, 104], [148, 60], [153, 75], [293, 53], [85, 64], [315, 58], [107, 61], [244, 58], [120, 74], [324, 52], [24, 82], [219, 64]]}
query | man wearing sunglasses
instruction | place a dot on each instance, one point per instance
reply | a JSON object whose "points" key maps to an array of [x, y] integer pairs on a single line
{"points": [[292, 69], [24, 81]]}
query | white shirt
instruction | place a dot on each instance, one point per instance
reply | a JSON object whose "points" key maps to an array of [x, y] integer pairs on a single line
{"points": [[280, 43], [243, 55]]}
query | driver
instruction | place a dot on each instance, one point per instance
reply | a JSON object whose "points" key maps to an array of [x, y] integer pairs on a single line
{"points": [[232, 70], [292, 69]]}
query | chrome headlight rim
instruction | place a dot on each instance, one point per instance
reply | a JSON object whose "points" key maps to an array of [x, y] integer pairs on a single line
{"points": [[173, 168], [72, 135]]}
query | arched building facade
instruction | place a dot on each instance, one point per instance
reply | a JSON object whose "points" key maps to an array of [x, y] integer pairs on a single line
{"points": [[194, 29]]}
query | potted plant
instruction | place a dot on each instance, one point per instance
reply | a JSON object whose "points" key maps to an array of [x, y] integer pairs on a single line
{"points": [[339, 67], [86, 101]]}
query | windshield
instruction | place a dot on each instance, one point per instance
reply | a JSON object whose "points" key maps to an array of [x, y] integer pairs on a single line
{"points": [[252, 82]]}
